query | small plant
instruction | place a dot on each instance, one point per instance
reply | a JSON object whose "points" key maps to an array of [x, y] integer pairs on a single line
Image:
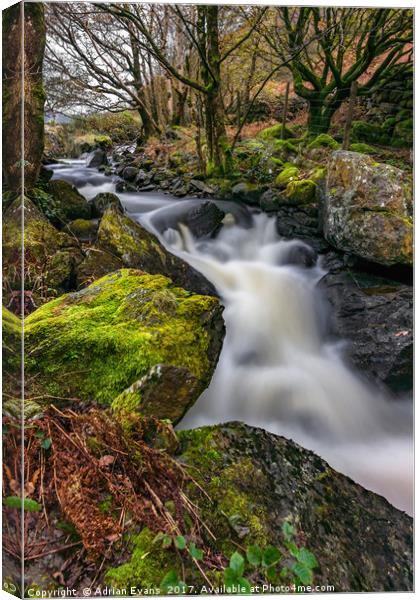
{"points": [[258, 564]]}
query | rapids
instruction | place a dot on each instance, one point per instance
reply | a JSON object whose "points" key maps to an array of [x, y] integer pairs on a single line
{"points": [[278, 369]]}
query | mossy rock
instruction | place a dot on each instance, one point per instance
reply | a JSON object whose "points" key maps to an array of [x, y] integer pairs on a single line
{"points": [[368, 209], [303, 191], [103, 201], [362, 148], [70, 204], [284, 148], [138, 248], [251, 483], [51, 256], [323, 140], [12, 335], [288, 174], [275, 132], [95, 343], [319, 174], [85, 230], [96, 264], [247, 192]]}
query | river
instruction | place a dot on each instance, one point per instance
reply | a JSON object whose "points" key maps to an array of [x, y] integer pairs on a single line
{"points": [[278, 368]]}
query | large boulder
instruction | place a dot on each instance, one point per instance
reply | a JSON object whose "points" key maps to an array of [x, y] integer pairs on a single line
{"points": [[374, 315], [95, 343], [368, 209], [96, 264], [50, 256], [247, 484], [69, 204], [138, 248]]}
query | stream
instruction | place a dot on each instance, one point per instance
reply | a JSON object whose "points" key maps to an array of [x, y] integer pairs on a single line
{"points": [[278, 368]]}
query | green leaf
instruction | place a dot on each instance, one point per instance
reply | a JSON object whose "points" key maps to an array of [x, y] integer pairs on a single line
{"points": [[229, 577], [237, 563], [170, 580], [28, 504], [46, 444], [196, 552], [39, 434], [254, 555], [271, 556], [302, 571], [288, 530], [245, 585], [180, 542], [166, 541], [293, 549], [307, 558]]}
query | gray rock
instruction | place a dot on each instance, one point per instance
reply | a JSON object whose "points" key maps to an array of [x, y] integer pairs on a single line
{"points": [[367, 209], [102, 201], [204, 219], [258, 480], [129, 173], [247, 192], [96, 158], [201, 186]]}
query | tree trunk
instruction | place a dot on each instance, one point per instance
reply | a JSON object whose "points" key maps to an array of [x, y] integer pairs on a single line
{"points": [[219, 161], [27, 60]]}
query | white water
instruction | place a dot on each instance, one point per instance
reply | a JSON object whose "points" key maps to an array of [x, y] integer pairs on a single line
{"points": [[277, 369]]}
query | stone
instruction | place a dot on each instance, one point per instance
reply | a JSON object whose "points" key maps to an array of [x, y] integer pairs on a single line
{"points": [[201, 186], [51, 256], [102, 201], [138, 248], [205, 219], [93, 344], [166, 392], [96, 158], [85, 230], [95, 265], [246, 192], [69, 204], [368, 209], [129, 173]]}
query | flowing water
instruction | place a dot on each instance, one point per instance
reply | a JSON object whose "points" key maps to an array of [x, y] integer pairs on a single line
{"points": [[278, 368]]}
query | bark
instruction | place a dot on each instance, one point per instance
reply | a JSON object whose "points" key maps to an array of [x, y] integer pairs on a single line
{"points": [[29, 61]]}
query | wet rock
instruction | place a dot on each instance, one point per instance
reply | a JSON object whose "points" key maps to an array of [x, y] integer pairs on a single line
{"points": [[300, 255], [95, 343], [204, 219], [258, 480], [104, 200], [142, 178], [368, 209], [147, 188], [51, 256], [374, 316], [166, 392], [96, 158], [69, 204], [138, 248]]}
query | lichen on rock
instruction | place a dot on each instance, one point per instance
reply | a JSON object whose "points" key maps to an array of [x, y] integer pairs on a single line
{"points": [[368, 209]]}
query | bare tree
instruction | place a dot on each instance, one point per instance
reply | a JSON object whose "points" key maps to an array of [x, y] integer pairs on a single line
{"points": [[371, 46]]}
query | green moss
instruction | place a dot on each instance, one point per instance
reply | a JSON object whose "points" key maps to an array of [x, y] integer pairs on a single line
{"points": [[319, 174], [323, 140], [303, 191], [146, 567], [283, 147], [276, 131], [362, 148], [288, 174], [94, 343]]}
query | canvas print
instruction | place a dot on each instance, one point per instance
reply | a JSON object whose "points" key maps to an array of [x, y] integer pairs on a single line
{"points": [[207, 299]]}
